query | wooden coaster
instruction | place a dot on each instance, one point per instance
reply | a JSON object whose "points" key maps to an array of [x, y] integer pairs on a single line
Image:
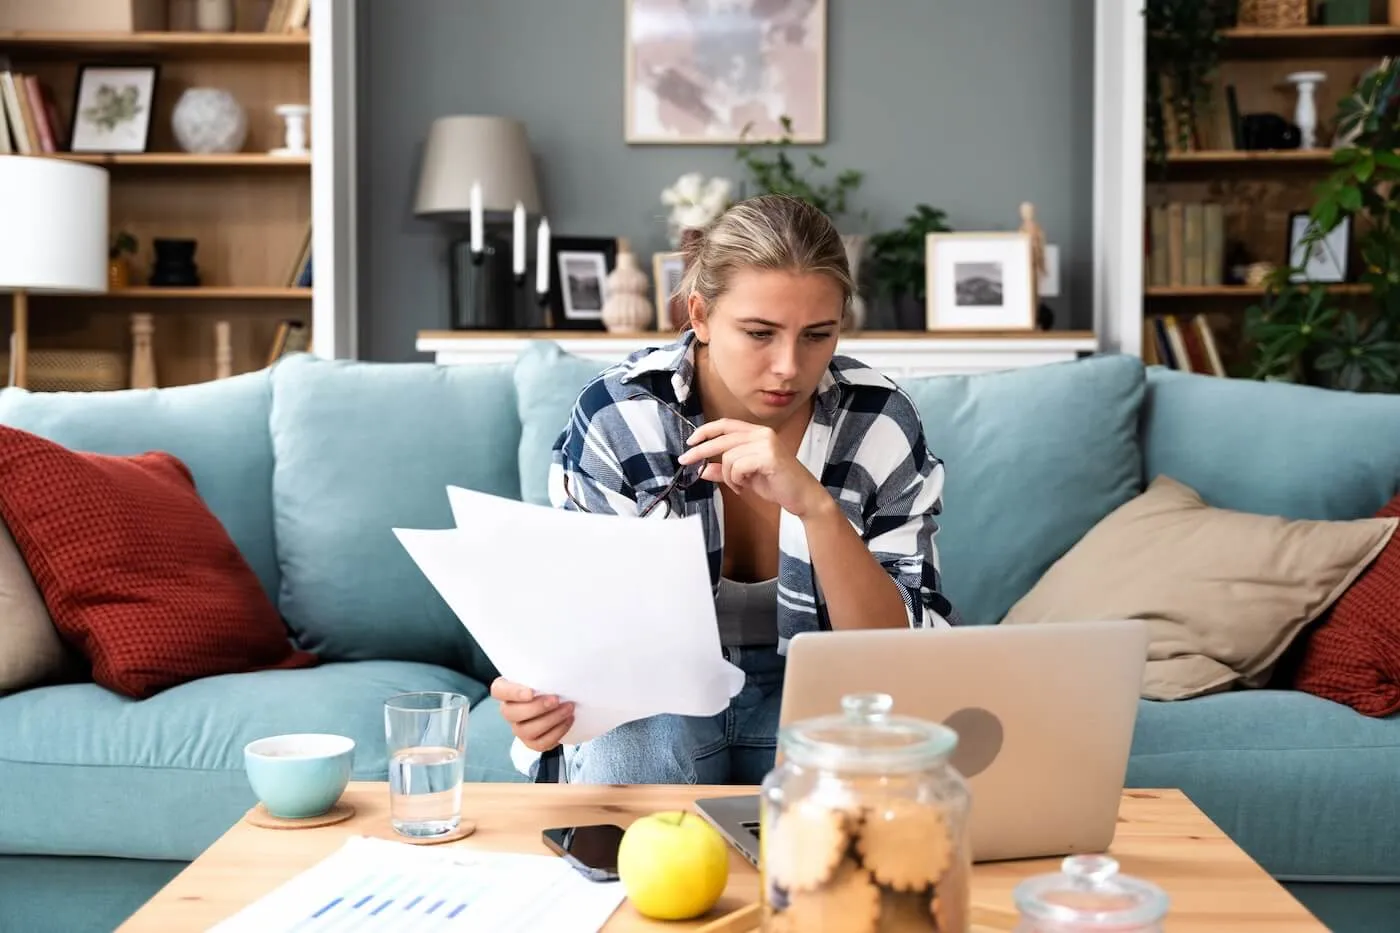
{"points": [[464, 829], [339, 813]]}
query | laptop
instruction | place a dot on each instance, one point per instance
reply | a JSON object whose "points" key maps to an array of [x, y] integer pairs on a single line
{"points": [[1044, 714]]}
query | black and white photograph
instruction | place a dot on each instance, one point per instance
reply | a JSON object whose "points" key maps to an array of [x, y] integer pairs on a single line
{"points": [[667, 270], [583, 275], [578, 283], [1323, 261], [113, 107], [978, 284], [979, 281]]}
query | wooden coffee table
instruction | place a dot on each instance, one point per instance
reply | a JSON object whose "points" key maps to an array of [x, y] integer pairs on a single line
{"points": [[1161, 836]]}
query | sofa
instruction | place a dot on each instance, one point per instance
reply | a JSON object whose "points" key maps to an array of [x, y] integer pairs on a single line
{"points": [[310, 464]]}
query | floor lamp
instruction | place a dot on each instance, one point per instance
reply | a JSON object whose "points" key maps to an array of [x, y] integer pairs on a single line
{"points": [[53, 239]]}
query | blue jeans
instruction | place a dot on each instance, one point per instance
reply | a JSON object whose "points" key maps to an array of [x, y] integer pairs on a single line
{"points": [[736, 746]]}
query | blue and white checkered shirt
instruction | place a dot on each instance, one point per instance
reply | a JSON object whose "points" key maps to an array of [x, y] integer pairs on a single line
{"points": [[865, 441]]}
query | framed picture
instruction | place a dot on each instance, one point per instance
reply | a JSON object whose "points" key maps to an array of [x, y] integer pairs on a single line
{"points": [[979, 281], [666, 272], [700, 72], [112, 108], [578, 281], [1327, 260]]}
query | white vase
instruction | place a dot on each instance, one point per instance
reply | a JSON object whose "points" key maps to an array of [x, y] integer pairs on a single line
{"points": [[627, 309], [855, 251], [208, 119], [213, 15], [1305, 114]]}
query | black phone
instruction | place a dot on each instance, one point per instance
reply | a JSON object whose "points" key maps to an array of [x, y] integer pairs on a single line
{"points": [[590, 849]]}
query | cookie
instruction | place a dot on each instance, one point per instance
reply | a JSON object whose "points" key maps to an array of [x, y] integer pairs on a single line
{"points": [[804, 845], [905, 846], [849, 902]]}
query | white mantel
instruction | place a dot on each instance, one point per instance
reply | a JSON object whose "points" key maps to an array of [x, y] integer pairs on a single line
{"points": [[894, 353]]}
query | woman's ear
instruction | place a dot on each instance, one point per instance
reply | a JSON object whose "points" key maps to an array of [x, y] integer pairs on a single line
{"points": [[699, 320]]}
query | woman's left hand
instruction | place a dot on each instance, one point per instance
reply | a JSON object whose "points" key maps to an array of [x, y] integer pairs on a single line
{"points": [[747, 457]]}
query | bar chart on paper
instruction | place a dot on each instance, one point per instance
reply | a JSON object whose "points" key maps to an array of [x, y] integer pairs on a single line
{"points": [[372, 885]]}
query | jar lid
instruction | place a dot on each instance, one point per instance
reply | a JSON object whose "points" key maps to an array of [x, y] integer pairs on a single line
{"points": [[864, 737], [1089, 892]]}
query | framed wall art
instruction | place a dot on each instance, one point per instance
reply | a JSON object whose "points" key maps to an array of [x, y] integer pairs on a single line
{"points": [[1327, 261], [701, 71], [666, 272], [979, 281], [112, 108], [578, 282]]}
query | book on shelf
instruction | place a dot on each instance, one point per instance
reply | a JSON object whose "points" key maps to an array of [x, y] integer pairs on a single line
{"points": [[299, 275], [288, 16], [1185, 244], [1189, 346], [29, 123], [292, 336]]}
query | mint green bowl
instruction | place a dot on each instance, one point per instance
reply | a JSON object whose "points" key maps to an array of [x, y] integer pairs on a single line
{"points": [[301, 775]]}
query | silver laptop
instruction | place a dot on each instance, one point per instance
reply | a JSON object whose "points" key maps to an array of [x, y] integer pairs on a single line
{"points": [[1044, 714]]}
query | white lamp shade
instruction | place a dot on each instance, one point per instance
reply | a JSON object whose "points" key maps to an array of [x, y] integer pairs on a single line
{"points": [[54, 237], [493, 151]]}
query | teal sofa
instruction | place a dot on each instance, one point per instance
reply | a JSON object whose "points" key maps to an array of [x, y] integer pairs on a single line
{"points": [[311, 463]]}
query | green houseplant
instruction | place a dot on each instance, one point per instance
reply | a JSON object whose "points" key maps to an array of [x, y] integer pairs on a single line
{"points": [[896, 269], [1183, 51], [780, 173]]}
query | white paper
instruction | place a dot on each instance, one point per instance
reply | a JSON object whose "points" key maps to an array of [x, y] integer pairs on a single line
{"points": [[614, 614], [371, 885]]}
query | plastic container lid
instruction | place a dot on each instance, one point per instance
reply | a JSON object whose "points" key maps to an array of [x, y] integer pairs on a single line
{"points": [[865, 738], [1089, 894]]}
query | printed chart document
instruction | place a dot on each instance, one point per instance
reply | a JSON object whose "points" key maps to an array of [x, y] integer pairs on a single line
{"points": [[613, 614], [371, 885]]}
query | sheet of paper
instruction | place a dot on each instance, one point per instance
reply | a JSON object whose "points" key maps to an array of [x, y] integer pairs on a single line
{"points": [[614, 614], [372, 885]]}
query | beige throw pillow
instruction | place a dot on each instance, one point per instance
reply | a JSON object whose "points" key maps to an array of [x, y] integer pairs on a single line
{"points": [[1223, 592], [31, 651]]}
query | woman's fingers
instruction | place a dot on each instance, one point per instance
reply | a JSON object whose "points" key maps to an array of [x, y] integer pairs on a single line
{"points": [[553, 737], [508, 691], [524, 712], [533, 730]]}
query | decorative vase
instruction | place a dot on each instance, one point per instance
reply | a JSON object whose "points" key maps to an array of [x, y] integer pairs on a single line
{"points": [[294, 129], [208, 119], [118, 273], [627, 309], [143, 358], [223, 350], [174, 265], [855, 251], [213, 15], [1305, 114]]}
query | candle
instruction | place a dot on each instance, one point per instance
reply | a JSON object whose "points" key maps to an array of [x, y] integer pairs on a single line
{"points": [[542, 256], [518, 241], [476, 217]]}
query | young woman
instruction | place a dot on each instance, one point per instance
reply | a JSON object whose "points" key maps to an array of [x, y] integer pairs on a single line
{"points": [[809, 471]]}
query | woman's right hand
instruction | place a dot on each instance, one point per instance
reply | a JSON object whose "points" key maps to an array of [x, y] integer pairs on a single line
{"points": [[540, 721]]}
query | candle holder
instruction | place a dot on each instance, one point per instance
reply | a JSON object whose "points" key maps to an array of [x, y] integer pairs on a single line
{"points": [[480, 298], [294, 131]]}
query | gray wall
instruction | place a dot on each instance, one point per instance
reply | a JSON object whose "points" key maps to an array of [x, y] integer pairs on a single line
{"points": [[969, 105]]}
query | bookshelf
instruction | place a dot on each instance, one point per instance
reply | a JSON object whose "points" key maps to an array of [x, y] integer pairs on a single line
{"points": [[250, 212]]}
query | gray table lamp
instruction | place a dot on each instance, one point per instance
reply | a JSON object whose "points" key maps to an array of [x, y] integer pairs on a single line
{"points": [[479, 170]]}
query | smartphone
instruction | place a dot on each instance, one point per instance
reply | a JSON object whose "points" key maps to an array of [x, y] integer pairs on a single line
{"points": [[590, 849]]}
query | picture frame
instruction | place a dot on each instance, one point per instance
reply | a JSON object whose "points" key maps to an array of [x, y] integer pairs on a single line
{"points": [[701, 74], [979, 282], [1330, 259], [667, 269], [113, 106], [578, 270]]}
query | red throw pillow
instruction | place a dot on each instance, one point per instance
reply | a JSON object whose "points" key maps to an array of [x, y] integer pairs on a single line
{"points": [[1353, 657], [138, 574]]}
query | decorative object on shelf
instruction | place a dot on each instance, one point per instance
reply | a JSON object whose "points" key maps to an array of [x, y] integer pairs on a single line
{"points": [[209, 120], [479, 171], [980, 281], [855, 244], [174, 263], [1346, 12], [112, 113], [143, 357], [896, 267], [579, 284], [1324, 259], [695, 201], [223, 350], [213, 15], [294, 131], [1305, 111], [667, 270], [57, 370], [1032, 229], [693, 74], [626, 309], [780, 174], [118, 267], [54, 238], [1274, 14], [1268, 131], [1182, 55]]}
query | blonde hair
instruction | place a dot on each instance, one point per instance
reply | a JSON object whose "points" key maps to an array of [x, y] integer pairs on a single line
{"points": [[769, 232]]}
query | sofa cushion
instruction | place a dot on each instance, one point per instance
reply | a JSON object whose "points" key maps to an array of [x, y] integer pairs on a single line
{"points": [[363, 448], [31, 651], [78, 747], [548, 381], [1035, 457], [218, 429], [1304, 785], [1273, 448]]}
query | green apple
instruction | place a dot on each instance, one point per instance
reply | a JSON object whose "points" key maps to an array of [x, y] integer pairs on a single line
{"points": [[673, 865]]}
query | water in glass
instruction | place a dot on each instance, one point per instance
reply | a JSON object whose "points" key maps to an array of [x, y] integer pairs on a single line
{"points": [[425, 790]]}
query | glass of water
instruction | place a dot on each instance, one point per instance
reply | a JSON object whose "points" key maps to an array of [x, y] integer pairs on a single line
{"points": [[427, 739]]}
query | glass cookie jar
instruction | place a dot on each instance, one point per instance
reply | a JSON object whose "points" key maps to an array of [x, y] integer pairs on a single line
{"points": [[863, 825], [1088, 894]]}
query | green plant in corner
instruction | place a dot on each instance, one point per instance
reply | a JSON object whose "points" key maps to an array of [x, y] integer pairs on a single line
{"points": [[1183, 51], [780, 174], [896, 267], [123, 243]]}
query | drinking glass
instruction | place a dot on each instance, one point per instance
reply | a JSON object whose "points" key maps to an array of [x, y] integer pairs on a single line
{"points": [[427, 737]]}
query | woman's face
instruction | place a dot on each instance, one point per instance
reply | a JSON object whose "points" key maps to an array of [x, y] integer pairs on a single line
{"points": [[771, 337]]}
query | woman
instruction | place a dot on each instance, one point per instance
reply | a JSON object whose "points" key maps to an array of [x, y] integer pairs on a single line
{"points": [[810, 473]]}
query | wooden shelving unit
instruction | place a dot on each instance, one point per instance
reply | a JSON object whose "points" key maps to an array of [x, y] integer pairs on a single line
{"points": [[248, 211]]}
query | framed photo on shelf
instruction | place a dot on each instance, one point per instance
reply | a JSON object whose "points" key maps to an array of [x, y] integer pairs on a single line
{"points": [[666, 272], [1327, 260], [979, 281], [112, 108], [578, 281]]}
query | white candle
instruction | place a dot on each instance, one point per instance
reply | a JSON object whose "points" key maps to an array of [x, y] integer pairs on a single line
{"points": [[518, 241], [476, 218], [542, 256]]}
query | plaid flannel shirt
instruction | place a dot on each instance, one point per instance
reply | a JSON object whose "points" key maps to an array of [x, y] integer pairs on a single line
{"points": [[865, 442]]}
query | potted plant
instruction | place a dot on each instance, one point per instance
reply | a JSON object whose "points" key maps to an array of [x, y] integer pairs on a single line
{"points": [[118, 269], [896, 270]]}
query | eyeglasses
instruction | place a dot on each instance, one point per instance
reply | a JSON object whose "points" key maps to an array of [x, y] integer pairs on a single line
{"points": [[687, 475]]}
